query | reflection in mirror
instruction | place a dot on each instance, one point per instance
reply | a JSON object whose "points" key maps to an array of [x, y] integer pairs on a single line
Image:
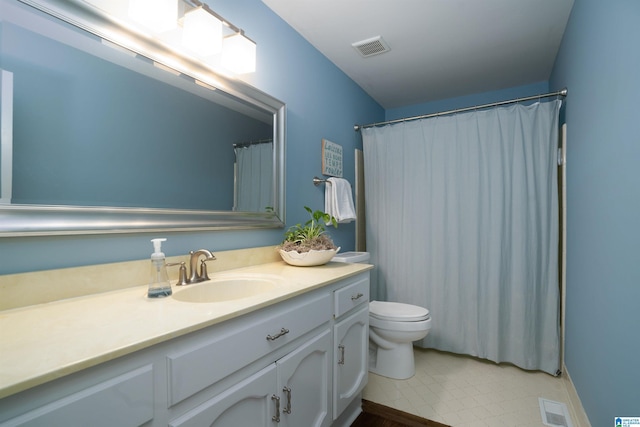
{"points": [[91, 132], [113, 132], [254, 169]]}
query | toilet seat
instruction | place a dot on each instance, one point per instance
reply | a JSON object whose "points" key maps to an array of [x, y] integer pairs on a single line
{"points": [[398, 312]]}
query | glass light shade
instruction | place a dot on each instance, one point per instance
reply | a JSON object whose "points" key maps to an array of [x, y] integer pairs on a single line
{"points": [[239, 54], [156, 15], [202, 32]]}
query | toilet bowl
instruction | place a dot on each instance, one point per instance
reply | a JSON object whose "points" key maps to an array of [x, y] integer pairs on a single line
{"points": [[392, 329]]}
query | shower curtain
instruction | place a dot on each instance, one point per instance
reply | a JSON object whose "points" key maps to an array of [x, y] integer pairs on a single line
{"points": [[254, 177], [462, 218]]}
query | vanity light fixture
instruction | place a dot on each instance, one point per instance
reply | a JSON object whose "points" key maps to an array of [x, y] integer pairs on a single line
{"points": [[192, 25], [239, 53], [201, 32], [156, 15]]}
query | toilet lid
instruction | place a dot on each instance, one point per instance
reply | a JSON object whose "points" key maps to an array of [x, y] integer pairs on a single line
{"points": [[384, 310]]}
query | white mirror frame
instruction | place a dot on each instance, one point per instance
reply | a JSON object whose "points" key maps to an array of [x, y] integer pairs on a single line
{"points": [[39, 220]]}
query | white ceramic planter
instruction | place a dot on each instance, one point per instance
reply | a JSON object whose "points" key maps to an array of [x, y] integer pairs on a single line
{"points": [[308, 259]]}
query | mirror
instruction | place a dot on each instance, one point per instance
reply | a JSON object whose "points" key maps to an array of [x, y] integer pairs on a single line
{"points": [[175, 146]]}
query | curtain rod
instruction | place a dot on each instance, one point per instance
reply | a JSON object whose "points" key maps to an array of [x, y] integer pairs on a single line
{"points": [[248, 143], [562, 92]]}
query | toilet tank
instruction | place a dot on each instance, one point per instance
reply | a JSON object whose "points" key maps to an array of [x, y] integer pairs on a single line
{"points": [[352, 257]]}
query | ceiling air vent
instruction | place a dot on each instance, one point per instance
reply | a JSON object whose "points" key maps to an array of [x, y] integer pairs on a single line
{"points": [[372, 46]]}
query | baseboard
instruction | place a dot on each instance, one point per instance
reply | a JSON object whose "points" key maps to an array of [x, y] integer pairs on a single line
{"points": [[577, 412], [397, 417]]}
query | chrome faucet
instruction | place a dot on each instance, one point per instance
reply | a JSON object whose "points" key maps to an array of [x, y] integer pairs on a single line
{"points": [[194, 275]]}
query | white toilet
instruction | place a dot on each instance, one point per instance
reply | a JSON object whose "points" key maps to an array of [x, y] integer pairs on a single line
{"points": [[392, 329]]}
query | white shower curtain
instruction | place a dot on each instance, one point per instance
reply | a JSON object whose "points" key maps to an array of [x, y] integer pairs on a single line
{"points": [[462, 218], [254, 177]]}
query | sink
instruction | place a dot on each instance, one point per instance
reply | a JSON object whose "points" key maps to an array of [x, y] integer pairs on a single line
{"points": [[227, 288]]}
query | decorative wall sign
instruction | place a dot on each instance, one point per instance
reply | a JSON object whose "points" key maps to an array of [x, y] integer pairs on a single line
{"points": [[331, 158]]}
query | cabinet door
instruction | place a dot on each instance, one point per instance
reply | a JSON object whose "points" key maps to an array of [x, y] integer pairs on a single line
{"points": [[304, 384], [249, 403], [350, 368]]}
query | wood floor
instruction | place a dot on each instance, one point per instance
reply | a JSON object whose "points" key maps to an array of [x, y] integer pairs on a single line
{"points": [[376, 415]]}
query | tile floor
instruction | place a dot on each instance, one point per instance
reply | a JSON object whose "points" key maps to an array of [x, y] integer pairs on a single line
{"points": [[463, 391]]}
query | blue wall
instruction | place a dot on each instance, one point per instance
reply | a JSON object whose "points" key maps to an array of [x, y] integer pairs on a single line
{"points": [[599, 61], [467, 101], [322, 102]]}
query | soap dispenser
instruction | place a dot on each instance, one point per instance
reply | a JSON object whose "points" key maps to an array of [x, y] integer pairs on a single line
{"points": [[159, 285]]}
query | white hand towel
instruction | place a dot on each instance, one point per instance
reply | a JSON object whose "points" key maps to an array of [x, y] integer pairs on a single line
{"points": [[338, 201]]}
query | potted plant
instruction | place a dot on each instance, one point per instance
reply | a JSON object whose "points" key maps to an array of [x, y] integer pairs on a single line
{"points": [[309, 244]]}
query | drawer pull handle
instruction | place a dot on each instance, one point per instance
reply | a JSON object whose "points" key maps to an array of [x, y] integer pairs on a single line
{"points": [[282, 332], [276, 417], [341, 361], [287, 409], [355, 297]]}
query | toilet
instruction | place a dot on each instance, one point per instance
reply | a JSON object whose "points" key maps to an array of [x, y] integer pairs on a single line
{"points": [[393, 327]]}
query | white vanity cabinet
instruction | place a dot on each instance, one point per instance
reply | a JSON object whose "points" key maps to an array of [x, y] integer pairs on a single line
{"points": [[298, 362], [293, 391]]}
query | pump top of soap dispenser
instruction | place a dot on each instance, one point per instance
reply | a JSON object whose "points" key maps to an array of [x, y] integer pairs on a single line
{"points": [[157, 248]]}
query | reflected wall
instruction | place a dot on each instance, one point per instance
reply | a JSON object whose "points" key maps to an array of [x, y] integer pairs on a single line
{"points": [[89, 132]]}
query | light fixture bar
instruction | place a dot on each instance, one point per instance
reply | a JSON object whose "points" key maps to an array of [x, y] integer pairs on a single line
{"points": [[195, 28]]}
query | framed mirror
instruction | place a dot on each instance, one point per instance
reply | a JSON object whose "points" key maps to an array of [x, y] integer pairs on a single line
{"points": [[106, 129]]}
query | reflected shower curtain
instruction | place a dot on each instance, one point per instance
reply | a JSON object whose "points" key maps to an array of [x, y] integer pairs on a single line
{"points": [[254, 177], [462, 218]]}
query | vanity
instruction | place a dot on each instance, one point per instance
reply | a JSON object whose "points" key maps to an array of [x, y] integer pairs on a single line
{"points": [[261, 344], [292, 354]]}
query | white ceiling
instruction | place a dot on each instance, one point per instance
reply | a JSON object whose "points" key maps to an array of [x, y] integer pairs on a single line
{"points": [[439, 48]]}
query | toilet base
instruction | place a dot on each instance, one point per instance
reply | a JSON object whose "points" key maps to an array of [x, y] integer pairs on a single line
{"points": [[397, 363]]}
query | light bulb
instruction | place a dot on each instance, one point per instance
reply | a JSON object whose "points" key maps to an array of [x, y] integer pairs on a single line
{"points": [[202, 32], [156, 15], [239, 54]]}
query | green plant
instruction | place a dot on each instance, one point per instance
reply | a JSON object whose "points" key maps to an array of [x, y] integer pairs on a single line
{"points": [[311, 235]]}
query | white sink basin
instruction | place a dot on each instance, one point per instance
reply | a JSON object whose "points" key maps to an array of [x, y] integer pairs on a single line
{"points": [[227, 288]]}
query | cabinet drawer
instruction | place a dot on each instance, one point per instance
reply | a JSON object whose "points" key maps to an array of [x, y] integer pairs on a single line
{"points": [[351, 295], [126, 400], [237, 344]]}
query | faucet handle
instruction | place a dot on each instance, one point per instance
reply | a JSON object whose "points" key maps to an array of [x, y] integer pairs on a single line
{"points": [[182, 274], [203, 268]]}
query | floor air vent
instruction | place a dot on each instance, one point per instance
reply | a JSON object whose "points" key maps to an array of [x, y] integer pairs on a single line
{"points": [[554, 414], [372, 46]]}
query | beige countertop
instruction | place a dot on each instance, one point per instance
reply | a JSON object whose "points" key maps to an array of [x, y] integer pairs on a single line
{"points": [[39, 343]]}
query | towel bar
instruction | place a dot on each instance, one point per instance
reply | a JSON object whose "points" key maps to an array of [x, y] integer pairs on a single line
{"points": [[317, 181]]}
